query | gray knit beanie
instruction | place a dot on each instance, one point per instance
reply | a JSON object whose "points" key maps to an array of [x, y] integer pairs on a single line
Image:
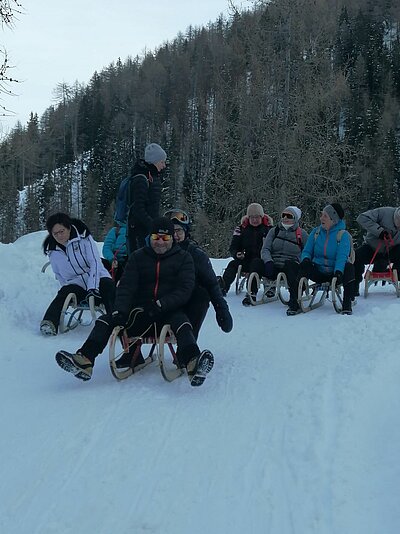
{"points": [[334, 211], [153, 153]]}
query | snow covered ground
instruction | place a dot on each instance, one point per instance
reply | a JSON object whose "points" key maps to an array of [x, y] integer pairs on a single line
{"points": [[296, 430]]}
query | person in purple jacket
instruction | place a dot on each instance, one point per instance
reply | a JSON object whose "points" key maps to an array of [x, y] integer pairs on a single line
{"points": [[76, 263]]}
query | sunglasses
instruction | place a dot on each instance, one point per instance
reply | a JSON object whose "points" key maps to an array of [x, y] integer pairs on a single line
{"points": [[287, 215], [164, 237], [60, 232], [179, 215]]}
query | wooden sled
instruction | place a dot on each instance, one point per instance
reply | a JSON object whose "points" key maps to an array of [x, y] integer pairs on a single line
{"points": [[312, 295], [272, 290], [121, 343]]}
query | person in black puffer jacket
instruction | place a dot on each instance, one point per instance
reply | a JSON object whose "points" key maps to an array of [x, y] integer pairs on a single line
{"points": [[245, 247], [206, 287], [157, 282], [144, 195]]}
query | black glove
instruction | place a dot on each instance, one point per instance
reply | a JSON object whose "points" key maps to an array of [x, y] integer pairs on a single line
{"points": [[269, 269], [339, 277], [305, 268], [152, 310], [224, 318], [384, 235], [94, 293], [118, 319]]}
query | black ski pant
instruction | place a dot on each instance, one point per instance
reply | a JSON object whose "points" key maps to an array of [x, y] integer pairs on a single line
{"points": [[140, 324], [196, 308], [254, 265], [311, 271], [291, 270], [107, 292], [382, 259]]}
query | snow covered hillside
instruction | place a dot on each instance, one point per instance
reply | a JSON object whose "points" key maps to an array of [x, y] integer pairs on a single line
{"points": [[295, 431]]}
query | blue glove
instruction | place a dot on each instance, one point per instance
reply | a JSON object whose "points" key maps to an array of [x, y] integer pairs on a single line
{"points": [[269, 269]]}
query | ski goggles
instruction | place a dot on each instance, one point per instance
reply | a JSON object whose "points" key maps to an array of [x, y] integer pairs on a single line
{"points": [[163, 237], [179, 215], [286, 215]]}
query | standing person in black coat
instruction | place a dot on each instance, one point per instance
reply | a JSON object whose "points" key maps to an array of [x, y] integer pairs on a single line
{"points": [[143, 195], [206, 287], [157, 282], [245, 247]]}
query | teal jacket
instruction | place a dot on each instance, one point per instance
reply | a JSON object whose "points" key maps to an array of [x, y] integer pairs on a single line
{"points": [[325, 251], [115, 244]]}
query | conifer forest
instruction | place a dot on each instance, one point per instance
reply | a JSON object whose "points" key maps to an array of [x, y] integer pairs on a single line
{"points": [[291, 102]]}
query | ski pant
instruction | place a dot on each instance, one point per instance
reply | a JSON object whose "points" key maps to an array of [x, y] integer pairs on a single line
{"points": [[311, 271], [107, 292], [196, 308], [291, 270], [382, 259], [142, 325], [254, 265]]}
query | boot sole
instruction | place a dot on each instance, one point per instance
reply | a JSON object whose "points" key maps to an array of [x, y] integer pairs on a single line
{"points": [[67, 364], [204, 366]]}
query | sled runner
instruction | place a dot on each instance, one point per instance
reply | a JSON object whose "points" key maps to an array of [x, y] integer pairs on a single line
{"points": [[121, 344], [241, 279], [312, 295], [271, 289], [74, 313]]}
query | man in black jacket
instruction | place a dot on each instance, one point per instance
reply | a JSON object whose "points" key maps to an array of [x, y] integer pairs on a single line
{"points": [[158, 280], [206, 287], [144, 193]]}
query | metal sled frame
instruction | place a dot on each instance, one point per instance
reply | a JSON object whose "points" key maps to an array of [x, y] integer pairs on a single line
{"points": [[241, 279], [120, 344], [312, 295], [391, 277], [276, 285], [74, 313]]}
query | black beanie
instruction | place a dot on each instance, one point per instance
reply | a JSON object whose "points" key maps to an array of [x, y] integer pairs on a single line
{"points": [[338, 208], [162, 225]]}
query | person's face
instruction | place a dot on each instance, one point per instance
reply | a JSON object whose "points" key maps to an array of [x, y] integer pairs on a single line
{"points": [[287, 218], [326, 221], [179, 233], [160, 165], [60, 233], [161, 243], [255, 220]]}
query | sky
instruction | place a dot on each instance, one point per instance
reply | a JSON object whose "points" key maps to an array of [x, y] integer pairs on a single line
{"points": [[54, 42], [295, 431]]}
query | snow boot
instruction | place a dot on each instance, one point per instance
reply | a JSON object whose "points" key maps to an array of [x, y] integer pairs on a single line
{"points": [[294, 308], [47, 328], [77, 364], [199, 367]]}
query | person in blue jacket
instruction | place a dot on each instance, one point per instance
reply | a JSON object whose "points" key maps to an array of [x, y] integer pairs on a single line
{"points": [[325, 256], [115, 252]]}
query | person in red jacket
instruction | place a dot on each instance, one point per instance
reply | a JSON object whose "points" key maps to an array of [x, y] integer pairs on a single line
{"points": [[246, 245]]}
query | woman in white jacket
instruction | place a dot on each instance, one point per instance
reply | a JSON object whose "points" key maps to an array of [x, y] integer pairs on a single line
{"points": [[76, 263]]}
